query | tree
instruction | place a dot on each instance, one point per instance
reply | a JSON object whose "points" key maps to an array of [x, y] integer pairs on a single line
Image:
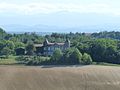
{"points": [[19, 45], [2, 34], [2, 31], [2, 44], [9, 44], [20, 51], [75, 57], [117, 60], [98, 48], [103, 50], [30, 48], [86, 59], [72, 56], [6, 51], [57, 55]]}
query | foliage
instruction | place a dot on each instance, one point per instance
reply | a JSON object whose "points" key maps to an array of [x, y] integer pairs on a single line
{"points": [[30, 48], [6, 51], [72, 56], [57, 55], [86, 59], [19, 45], [102, 46], [8, 61], [20, 51], [105, 34], [33, 60]]}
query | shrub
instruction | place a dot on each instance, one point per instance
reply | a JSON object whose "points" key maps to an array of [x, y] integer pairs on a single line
{"points": [[76, 57], [32, 60], [72, 56], [86, 59], [57, 55]]}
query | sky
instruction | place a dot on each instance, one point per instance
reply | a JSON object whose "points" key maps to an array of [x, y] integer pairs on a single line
{"points": [[62, 13], [27, 7]]}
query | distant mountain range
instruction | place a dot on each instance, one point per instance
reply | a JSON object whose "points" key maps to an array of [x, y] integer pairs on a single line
{"points": [[45, 28], [60, 22]]}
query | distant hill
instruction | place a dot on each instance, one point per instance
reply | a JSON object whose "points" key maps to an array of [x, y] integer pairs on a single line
{"points": [[45, 28]]}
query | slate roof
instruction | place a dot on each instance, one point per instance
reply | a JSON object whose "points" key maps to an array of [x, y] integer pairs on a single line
{"points": [[38, 45], [49, 44]]}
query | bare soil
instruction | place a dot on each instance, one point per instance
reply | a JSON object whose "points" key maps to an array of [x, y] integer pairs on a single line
{"points": [[59, 78]]}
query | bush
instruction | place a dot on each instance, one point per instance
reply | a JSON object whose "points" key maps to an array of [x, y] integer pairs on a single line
{"points": [[30, 48], [32, 60], [75, 57], [57, 55], [72, 56], [86, 59], [6, 51]]}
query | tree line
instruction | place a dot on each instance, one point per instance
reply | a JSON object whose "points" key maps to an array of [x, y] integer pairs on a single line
{"points": [[100, 47]]}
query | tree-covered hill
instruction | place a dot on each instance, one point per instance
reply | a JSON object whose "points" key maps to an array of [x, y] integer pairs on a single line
{"points": [[105, 34]]}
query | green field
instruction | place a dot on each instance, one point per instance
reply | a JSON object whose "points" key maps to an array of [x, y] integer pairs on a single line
{"points": [[10, 61], [106, 64]]}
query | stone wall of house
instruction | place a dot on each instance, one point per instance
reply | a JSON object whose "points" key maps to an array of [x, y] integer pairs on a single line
{"points": [[47, 48]]}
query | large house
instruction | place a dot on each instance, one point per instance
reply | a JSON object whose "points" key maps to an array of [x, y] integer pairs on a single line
{"points": [[48, 48]]}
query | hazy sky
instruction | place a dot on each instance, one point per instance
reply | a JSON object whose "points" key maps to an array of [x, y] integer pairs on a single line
{"points": [[32, 7], [59, 12]]}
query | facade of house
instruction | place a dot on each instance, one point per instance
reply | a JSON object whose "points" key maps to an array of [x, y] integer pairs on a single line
{"points": [[48, 48]]}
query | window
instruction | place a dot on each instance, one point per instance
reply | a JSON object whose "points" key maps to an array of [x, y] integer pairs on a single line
{"points": [[48, 48], [44, 48], [52, 48]]}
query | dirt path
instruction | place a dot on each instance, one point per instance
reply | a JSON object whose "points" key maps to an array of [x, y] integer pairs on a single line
{"points": [[59, 78]]}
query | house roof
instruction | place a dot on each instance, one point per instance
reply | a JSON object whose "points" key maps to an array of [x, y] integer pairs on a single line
{"points": [[50, 44], [38, 45]]}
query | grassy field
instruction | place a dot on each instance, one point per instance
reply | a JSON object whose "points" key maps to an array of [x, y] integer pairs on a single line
{"points": [[106, 64], [10, 61], [59, 78]]}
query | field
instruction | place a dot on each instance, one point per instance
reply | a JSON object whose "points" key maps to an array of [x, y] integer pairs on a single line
{"points": [[10, 61], [59, 78]]}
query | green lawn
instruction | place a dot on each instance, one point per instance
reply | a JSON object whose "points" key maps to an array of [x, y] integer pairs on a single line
{"points": [[10, 61], [106, 64]]}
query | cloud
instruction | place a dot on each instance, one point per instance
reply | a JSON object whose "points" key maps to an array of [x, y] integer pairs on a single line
{"points": [[45, 8]]}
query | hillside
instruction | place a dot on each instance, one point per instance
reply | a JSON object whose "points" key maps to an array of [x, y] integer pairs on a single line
{"points": [[59, 78]]}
